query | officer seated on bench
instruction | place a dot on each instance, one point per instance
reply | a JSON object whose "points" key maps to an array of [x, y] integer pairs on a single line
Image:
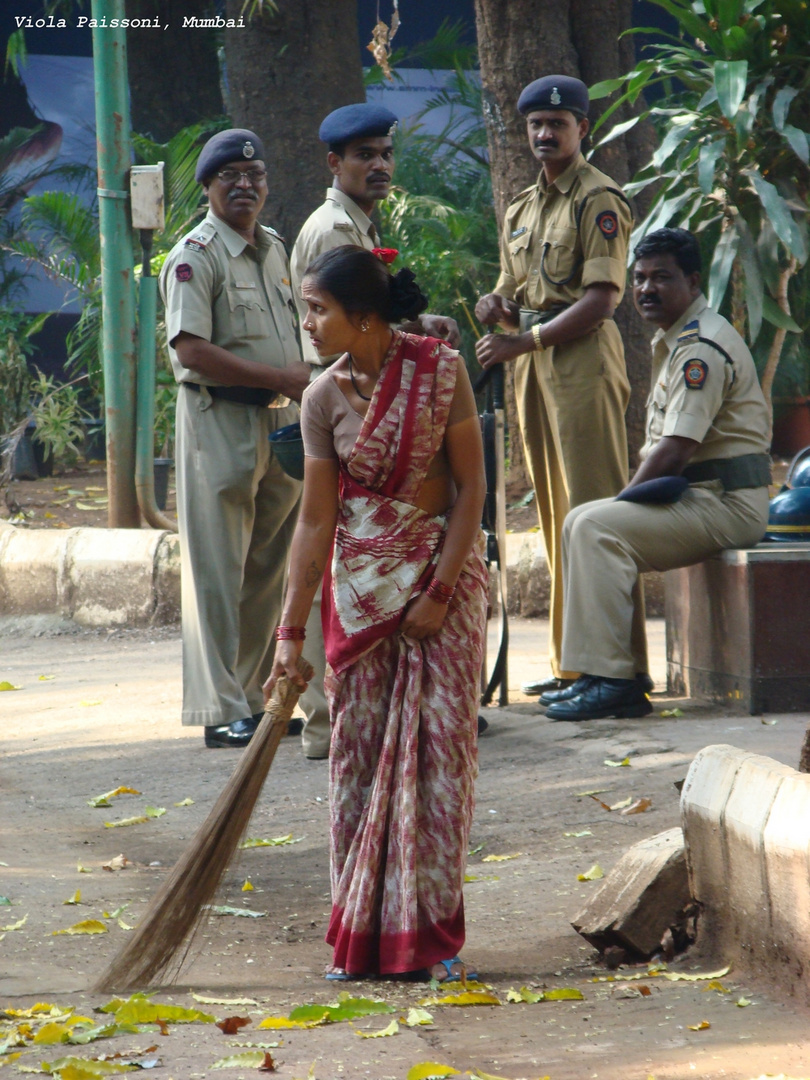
{"points": [[702, 485]]}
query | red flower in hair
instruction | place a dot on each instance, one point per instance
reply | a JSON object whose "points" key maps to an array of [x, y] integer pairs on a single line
{"points": [[387, 255]]}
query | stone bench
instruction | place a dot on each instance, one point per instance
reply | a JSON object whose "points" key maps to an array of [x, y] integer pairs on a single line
{"points": [[738, 628]]}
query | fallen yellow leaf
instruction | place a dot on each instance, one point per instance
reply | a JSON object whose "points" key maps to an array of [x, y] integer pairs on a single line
{"points": [[126, 821], [742, 1002], [16, 925], [185, 802], [431, 1070], [392, 1029], [621, 805], [247, 887], [278, 1023], [617, 764], [75, 899], [417, 1017], [46, 678], [640, 806], [464, 997], [702, 1026], [683, 976], [83, 869], [104, 800], [87, 926], [6, 685], [593, 874], [501, 858]]}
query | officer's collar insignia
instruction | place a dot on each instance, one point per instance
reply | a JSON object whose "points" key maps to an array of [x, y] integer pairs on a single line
{"points": [[518, 232], [555, 98], [393, 128], [691, 332], [248, 150]]}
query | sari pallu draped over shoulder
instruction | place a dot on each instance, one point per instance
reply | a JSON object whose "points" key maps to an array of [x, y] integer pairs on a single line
{"points": [[404, 746]]}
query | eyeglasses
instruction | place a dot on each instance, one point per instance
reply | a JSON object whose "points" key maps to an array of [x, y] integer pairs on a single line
{"points": [[232, 176]]}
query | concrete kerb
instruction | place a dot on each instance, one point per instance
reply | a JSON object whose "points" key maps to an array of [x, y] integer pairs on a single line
{"points": [[746, 823], [96, 577]]}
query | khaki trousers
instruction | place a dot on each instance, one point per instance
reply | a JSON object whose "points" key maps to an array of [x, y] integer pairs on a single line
{"points": [[571, 402], [605, 546], [236, 510], [317, 728]]}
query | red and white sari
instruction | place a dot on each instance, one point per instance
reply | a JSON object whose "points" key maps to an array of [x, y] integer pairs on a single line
{"points": [[403, 756]]}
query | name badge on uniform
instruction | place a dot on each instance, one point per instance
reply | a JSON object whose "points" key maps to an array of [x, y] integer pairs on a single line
{"points": [[518, 232], [244, 284]]}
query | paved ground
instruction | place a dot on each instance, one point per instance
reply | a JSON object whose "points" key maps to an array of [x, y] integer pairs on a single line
{"points": [[100, 710]]}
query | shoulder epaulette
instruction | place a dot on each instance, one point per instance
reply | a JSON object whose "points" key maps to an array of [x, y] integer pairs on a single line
{"points": [[201, 237], [273, 232], [690, 333], [523, 194]]}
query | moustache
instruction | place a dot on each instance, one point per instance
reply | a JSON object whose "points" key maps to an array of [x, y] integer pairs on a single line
{"points": [[242, 193], [550, 143], [379, 176]]}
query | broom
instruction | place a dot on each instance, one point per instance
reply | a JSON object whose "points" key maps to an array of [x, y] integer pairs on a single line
{"points": [[174, 914]]}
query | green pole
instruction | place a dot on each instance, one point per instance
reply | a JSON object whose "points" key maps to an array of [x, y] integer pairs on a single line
{"points": [[117, 268]]}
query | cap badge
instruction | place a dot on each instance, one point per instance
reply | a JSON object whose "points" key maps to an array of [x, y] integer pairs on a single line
{"points": [[555, 98], [393, 128], [248, 150]]}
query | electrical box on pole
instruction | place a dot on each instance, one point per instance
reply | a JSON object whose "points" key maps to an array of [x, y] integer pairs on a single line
{"points": [[146, 193]]}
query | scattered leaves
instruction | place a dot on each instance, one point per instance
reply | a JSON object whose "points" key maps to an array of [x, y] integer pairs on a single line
{"points": [[624, 803], [86, 926], [463, 997], [16, 925], [4, 901], [278, 841], [391, 1029], [673, 713], [155, 811], [502, 858], [684, 976], [617, 764], [247, 887], [140, 820], [223, 909], [577, 835], [118, 863], [742, 1002], [702, 1026], [6, 685], [223, 1001], [596, 791], [46, 678], [185, 802], [82, 869], [481, 877], [594, 874], [431, 1070], [140, 1009], [417, 1017], [715, 984], [640, 806], [75, 899], [531, 997], [231, 1024]]}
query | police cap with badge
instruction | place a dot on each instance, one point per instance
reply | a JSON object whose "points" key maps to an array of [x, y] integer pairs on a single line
{"points": [[235, 144], [554, 92], [362, 121]]}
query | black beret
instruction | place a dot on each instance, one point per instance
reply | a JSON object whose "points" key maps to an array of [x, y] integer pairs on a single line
{"points": [[357, 122], [235, 144], [554, 92]]}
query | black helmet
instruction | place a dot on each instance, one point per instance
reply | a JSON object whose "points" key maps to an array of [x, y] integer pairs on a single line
{"points": [[799, 472], [789, 517]]}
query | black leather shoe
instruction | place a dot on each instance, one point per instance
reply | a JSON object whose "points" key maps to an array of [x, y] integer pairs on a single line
{"points": [[483, 724], [238, 734], [545, 686], [571, 689], [602, 698], [294, 726]]}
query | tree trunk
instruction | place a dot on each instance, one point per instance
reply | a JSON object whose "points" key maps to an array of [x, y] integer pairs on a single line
{"points": [[572, 37], [285, 72], [173, 73]]}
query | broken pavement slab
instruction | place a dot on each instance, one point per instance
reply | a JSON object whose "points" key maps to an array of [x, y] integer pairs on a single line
{"points": [[643, 895]]}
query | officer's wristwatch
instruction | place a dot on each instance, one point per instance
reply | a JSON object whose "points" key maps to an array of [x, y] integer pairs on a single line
{"points": [[538, 341]]}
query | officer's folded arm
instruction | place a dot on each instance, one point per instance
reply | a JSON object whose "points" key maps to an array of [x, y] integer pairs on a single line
{"points": [[669, 457], [224, 367]]}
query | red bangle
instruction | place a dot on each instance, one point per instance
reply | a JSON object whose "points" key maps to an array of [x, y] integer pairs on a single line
{"points": [[290, 633], [438, 591]]}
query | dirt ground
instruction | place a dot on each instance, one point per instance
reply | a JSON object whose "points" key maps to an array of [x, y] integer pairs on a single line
{"points": [[96, 711]]}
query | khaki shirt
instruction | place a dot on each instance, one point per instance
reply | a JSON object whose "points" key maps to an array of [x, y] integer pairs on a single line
{"points": [[705, 387], [337, 222], [219, 287], [548, 258]]}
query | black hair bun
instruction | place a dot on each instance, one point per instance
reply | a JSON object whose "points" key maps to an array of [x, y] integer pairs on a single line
{"points": [[407, 299]]}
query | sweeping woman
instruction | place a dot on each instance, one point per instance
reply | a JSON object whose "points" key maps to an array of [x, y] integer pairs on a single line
{"points": [[393, 493]]}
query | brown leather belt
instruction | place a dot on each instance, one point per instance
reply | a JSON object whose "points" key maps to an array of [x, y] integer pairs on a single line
{"points": [[242, 395]]}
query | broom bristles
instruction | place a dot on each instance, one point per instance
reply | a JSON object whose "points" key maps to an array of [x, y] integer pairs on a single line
{"points": [[175, 913]]}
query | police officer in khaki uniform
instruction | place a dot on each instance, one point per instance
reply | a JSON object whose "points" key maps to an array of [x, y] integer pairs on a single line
{"points": [[708, 425], [361, 160], [563, 272], [231, 328]]}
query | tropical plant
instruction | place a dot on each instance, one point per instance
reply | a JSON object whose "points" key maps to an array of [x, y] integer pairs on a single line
{"points": [[58, 416], [734, 160]]}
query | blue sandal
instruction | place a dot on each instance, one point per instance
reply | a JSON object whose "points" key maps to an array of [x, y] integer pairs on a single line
{"points": [[451, 977]]}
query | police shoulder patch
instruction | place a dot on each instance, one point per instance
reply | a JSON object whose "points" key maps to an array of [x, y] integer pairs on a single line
{"points": [[202, 237], [183, 272], [608, 223], [695, 373], [690, 333]]}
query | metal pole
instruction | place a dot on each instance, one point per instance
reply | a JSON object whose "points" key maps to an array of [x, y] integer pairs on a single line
{"points": [[145, 458], [117, 267]]}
